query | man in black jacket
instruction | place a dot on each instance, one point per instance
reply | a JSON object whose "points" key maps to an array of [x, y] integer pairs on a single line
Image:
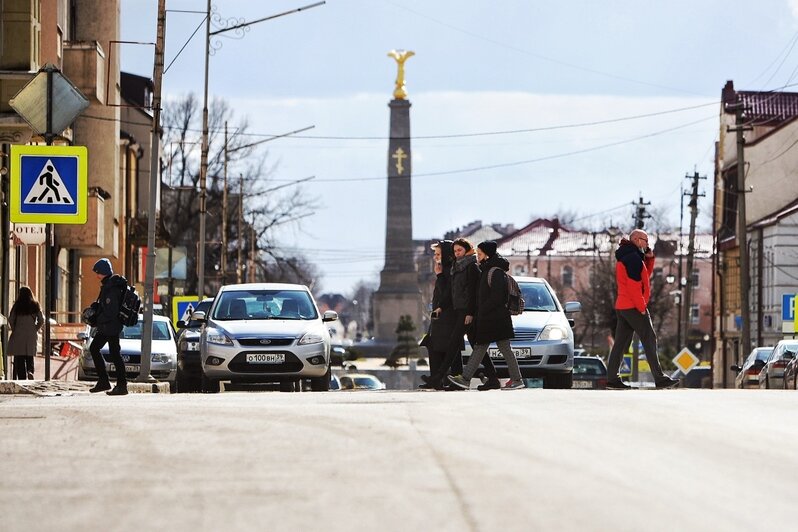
{"points": [[108, 329]]}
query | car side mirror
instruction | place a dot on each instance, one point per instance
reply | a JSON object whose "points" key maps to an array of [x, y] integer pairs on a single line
{"points": [[329, 315], [573, 306], [199, 316], [181, 324], [736, 368]]}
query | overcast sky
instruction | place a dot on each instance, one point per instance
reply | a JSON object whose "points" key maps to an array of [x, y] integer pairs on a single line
{"points": [[637, 83]]}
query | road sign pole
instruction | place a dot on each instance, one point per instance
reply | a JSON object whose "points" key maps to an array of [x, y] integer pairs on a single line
{"points": [[48, 231]]}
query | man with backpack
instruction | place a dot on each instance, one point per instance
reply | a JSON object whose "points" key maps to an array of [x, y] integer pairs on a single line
{"points": [[109, 326], [493, 321]]}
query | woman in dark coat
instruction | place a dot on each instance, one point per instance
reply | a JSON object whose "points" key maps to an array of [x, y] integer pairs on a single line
{"points": [[443, 315], [26, 320], [494, 322]]}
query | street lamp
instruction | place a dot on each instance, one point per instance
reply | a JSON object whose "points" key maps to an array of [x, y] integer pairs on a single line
{"points": [[204, 154]]}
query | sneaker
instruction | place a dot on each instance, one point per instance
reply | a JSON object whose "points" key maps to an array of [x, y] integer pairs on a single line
{"points": [[617, 385], [513, 385], [117, 391], [667, 382], [100, 387], [459, 380], [489, 385]]}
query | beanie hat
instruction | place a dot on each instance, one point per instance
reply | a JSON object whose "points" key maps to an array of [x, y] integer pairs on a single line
{"points": [[488, 247], [103, 266]]}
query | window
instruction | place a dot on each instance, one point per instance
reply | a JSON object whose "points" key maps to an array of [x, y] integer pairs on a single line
{"points": [[567, 276], [694, 278], [519, 269], [695, 313], [728, 225]]}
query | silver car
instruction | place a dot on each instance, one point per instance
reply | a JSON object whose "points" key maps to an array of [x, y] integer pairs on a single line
{"points": [[265, 332], [163, 360], [772, 374], [544, 341]]}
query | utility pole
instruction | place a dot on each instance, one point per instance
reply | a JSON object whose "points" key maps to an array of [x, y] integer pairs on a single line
{"points": [[149, 281], [742, 236], [223, 265], [240, 233], [640, 212], [688, 275]]}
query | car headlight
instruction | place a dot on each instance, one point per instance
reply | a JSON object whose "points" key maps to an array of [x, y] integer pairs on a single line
{"points": [[311, 338], [215, 336], [161, 358], [553, 332]]}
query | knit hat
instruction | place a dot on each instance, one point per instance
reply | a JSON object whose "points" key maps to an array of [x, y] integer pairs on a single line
{"points": [[103, 266], [488, 247]]}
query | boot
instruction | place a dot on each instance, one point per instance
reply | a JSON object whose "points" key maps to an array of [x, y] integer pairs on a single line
{"points": [[118, 390], [101, 386], [490, 384]]}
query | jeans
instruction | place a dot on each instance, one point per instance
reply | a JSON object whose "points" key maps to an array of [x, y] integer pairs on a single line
{"points": [[477, 356]]}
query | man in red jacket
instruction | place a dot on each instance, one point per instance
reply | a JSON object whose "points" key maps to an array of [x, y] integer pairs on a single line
{"points": [[635, 262]]}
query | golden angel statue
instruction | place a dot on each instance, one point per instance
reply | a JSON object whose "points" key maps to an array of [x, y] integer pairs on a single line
{"points": [[400, 56]]}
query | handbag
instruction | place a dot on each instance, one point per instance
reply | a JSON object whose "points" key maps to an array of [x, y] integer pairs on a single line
{"points": [[90, 314]]}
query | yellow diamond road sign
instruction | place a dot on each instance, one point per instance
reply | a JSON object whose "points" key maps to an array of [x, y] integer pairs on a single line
{"points": [[685, 360]]}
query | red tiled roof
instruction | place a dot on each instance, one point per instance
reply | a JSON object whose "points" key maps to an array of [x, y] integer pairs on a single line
{"points": [[768, 107]]}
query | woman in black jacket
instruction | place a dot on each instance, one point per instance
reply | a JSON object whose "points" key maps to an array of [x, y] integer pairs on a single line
{"points": [[443, 315], [494, 322]]}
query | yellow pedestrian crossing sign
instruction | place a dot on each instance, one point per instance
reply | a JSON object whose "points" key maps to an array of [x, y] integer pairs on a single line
{"points": [[49, 184]]}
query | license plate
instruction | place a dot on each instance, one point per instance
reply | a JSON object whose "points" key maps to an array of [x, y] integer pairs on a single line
{"points": [[128, 368], [519, 352], [582, 384], [266, 358], [192, 346]]}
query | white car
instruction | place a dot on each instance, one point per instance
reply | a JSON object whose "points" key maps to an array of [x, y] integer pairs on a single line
{"points": [[265, 332], [163, 365]]}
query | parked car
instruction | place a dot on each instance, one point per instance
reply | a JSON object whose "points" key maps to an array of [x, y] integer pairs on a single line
{"points": [[748, 373], [360, 381], [163, 361], [772, 374], [335, 383], [340, 353], [791, 375], [189, 371], [544, 341], [698, 377], [590, 372], [265, 332]]}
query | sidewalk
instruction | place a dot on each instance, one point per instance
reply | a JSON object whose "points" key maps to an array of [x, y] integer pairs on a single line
{"points": [[42, 388]]}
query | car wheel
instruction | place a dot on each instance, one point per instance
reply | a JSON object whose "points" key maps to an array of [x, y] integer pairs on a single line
{"points": [[321, 384], [181, 382], [287, 386], [209, 385]]}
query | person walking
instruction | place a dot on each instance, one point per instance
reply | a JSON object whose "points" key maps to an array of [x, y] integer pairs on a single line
{"points": [[108, 329], [493, 323], [443, 314], [633, 268], [26, 320], [464, 282]]}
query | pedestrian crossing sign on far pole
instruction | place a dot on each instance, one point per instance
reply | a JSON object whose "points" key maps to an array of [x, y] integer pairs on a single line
{"points": [[49, 184]]}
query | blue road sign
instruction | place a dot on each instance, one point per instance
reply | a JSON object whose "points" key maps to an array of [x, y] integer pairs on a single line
{"points": [[48, 184], [788, 307], [183, 307], [626, 366]]}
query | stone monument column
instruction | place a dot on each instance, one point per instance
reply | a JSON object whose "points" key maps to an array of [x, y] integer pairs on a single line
{"points": [[399, 293]]}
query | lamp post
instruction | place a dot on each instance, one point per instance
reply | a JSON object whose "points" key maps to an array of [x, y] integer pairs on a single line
{"points": [[204, 154]]}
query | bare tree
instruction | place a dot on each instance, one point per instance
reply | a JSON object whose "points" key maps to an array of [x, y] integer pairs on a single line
{"points": [[266, 207]]}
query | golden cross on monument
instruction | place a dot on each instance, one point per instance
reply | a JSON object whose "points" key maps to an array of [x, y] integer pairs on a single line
{"points": [[400, 56], [399, 155]]}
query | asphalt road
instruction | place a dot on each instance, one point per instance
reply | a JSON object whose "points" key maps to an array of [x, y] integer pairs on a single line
{"points": [[384, 461]]}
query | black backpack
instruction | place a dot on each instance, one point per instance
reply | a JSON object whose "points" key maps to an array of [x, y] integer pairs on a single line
{"points": [[515, 301], [129, 306]]}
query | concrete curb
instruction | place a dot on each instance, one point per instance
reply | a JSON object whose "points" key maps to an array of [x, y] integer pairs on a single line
{"points": [[55, 388]]}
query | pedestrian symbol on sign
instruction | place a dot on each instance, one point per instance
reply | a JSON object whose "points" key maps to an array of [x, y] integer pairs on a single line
{"points": [[187, 313], [49, 187]]}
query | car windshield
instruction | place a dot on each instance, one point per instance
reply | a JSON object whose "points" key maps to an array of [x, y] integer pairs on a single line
{"points": [[264, 305], [589, 366], [160, 331], [537, 297]]}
